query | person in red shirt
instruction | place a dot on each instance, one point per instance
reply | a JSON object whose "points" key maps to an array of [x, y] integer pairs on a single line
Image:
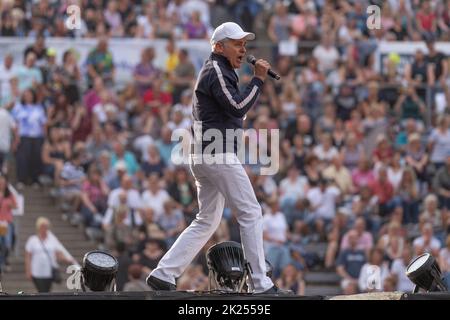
{"points": [[426, 18], [384, 191], [158, 101], [7, 204]]}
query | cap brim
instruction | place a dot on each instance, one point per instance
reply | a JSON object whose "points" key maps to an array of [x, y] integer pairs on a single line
{"points": [[243, 35]]}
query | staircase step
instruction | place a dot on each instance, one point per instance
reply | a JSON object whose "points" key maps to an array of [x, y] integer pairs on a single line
{"points": [[322, 278], [313, 290]]}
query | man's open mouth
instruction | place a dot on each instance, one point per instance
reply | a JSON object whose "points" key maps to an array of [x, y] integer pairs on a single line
{"points": [[240, 58]]}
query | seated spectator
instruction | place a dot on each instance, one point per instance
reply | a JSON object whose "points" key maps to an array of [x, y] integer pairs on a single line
{"points": [[71, 182], [392, 243], [135, 283], [155, 196], [292, 189], [195, 28], [373, 273], [291, 279], [183, 75], [172, 222], [431, 212], [351, 152], [398, 270], [193, 278], [275, 235], [94, 198], [426, 242], [439, 143], [349, 264], [384, 191], [55, 151], [150, 256], [410, 106], [409, 197], [416, 157], [363, 175], [325, 150], [339, 174], [441, 184], [444, 261], [182, 191], [322, 199], [395, 170], [125, 196], [149, 228], [119, 231], [364, 238], [100, 64], [153, 163], [120, 154]]}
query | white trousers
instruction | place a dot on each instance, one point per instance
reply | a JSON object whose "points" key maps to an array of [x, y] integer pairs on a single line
{"points": [[215, 182]]}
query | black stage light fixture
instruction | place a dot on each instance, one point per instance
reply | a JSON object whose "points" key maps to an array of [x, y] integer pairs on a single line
{"points": [[228, 269], [99, 271], [425, 273]]}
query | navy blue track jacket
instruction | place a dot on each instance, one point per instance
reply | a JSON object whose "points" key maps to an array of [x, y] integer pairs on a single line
{"points": [[217, 101]]}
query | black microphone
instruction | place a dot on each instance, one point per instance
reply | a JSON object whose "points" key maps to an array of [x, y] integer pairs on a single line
{"points": [[251, 59]]}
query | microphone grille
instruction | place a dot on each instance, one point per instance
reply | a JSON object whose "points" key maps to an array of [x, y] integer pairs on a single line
{"points": [[251, 59]]}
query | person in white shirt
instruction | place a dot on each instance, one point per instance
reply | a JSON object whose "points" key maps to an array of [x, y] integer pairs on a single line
{"points": [[325, 151], [427, 242], [292, 188], [373, 273], [7, 72], [155, 197], [8, 130], [322, 199], [398, 270], [326, 54], [127, 196], [42, 253], [275, 235]]}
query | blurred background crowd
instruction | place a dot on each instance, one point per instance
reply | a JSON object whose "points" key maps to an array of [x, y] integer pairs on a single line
{"points": [[364, 154]]}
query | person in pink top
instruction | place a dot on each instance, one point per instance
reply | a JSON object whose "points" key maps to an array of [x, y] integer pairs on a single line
{"points": [[384, 190], [364, 239], [7, 204], [363, 175]]}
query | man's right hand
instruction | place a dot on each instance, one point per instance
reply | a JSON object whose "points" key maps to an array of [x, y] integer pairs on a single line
{"points": [[261, 68]]}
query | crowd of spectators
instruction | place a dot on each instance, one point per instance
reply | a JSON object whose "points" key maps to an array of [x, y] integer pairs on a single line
{"points": [[364, 172]]}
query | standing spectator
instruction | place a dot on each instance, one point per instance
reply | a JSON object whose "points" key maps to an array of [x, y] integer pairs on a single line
{"points": [[279, 24], [431, 212], [409, 196], [349, 264], [145, 72], [183, 75], [7, 72], [292, 189], [9, 138], [392, 243], [7, 204], [438, 69], [113, 19], [31, 120], [417, 158], [416, 74], [42, 253], [28, 75], [71, 76], [55, 152], [364, 238], [100, 64], [384, 190]]}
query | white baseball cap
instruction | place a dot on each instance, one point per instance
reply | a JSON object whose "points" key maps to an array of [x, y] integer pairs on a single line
{"points": [[230, 30]]}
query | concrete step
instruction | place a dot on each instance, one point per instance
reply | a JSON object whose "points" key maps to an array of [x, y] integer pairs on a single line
{"points": [[313, 290], [322, 278]]}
